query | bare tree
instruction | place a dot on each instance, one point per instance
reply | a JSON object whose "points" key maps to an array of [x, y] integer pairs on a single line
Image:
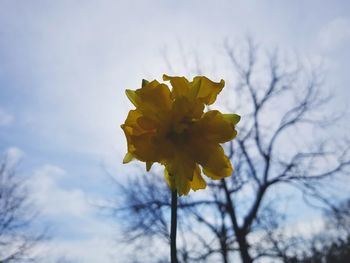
{"points": [[332, 242], [272, 157], [144, 211], [16, 216], [281, 150]]}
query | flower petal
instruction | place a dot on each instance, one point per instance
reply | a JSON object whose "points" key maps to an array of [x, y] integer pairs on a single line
{"points": [[131, 94], [213, 127], [213, 160], [198, 182], [128, 157], [153, 99], [131, 125], [142, 143], [144, 83], [180, 86], [148, 166], [186, 109], [146, 123], [206, 90], [144, 148], [181, 170], [233, 118]]}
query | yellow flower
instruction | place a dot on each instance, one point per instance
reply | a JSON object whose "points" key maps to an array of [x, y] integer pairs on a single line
{"points": [[170, 127]]}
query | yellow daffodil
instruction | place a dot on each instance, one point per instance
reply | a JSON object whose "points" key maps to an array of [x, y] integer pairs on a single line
{"points": [[170, 127]]}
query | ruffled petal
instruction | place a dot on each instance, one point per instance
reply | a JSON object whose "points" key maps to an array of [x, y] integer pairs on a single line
{"points": [[144, 148], [201, 88], [131, 125], [141, 142], [149, 166], [232, 118], [213, 127], [180, 172], [128, 157], [145, 82], [213, 160], [205, 90], [153, 99], [147, 123], [198, 182], [180, 86], [184, 109]]}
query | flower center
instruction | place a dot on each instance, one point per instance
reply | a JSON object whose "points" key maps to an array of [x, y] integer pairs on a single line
{"points": [[178, 133], [177, 138]]}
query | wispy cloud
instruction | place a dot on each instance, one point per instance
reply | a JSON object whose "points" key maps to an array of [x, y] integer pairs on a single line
{"points": [[89, 250], [79, 231]]}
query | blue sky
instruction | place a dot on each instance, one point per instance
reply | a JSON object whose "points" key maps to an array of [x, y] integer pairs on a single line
{"points": [[64, 66]]}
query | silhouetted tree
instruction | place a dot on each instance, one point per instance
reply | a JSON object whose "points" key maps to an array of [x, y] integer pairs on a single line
{"points": [[281, 150], [332, 243], [17, 213]]}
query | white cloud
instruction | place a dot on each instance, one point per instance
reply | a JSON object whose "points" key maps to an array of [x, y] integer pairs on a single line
{"points": [[335, 34], [305, 228], [86, 251], [81, 233], [78, 69], [54, 200], [6, 119]]}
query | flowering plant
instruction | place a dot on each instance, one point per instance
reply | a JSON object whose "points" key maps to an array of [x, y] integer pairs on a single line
{"points": [[170, 127]]}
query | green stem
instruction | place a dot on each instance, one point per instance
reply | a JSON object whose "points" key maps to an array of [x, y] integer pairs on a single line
{"points": [[173, 255]]}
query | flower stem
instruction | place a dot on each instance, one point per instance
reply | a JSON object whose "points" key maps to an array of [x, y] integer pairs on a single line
{"points": [[173, 255]]}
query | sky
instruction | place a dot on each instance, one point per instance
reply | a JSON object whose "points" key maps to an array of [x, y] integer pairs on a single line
{"points": [[64, 66]]}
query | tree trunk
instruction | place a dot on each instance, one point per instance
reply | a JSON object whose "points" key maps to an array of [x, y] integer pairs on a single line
{"points": [[243, 248], [240, 233], [224, 252]]}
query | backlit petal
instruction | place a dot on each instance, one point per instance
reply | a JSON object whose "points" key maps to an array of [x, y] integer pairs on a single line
{"points": [[153, 99], [128, 157], [145, 148], [183, 108], [141, 142], [213, 160], [131, 125], [146, 123], [213, 127], [206, 90], [233, 118], [182, 169], [180, 86], [148, 166], [144, 83], [131, 94], [198, 182]]}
